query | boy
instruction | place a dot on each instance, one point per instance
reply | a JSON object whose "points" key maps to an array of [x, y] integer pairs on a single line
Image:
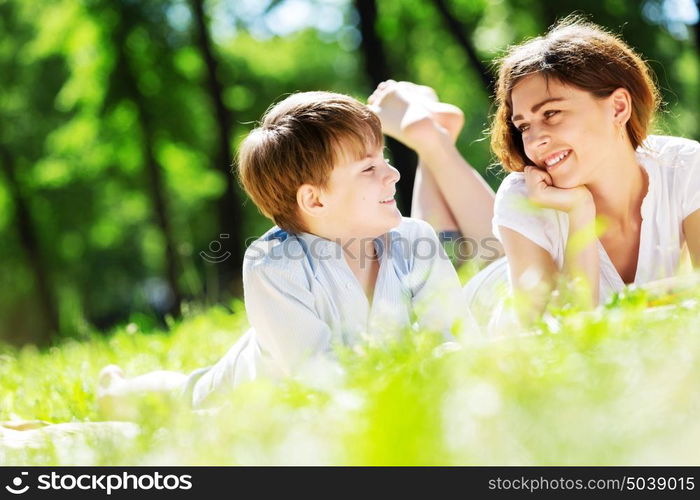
{"points": [[341, 264]]}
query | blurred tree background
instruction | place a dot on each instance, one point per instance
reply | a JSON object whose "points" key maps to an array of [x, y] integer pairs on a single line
{"points": [[120, 120]]}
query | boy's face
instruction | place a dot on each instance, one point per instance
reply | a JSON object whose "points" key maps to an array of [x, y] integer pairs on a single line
{"points": [[359, 197]]}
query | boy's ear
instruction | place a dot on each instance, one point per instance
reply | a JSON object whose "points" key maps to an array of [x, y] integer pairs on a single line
{"points": [[309, 200], [622, 105]]}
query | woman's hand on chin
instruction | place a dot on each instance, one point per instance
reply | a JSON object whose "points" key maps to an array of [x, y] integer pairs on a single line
{"points": [[543, 193]]}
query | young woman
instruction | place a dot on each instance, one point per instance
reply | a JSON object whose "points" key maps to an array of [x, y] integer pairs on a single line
{"points": [[574, 108]]}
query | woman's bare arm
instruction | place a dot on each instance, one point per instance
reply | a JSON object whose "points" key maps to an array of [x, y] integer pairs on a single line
{"points": [[691, 229]]}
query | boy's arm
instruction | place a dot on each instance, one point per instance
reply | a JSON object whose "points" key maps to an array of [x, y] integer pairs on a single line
{"points": [[438, 298], [281, 310]]}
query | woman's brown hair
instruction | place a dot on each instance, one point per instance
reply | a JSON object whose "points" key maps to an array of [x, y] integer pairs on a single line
{"points": [[577, 53]]}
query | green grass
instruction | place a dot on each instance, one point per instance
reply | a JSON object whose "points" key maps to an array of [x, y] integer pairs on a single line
{"points": [[615, 386]]}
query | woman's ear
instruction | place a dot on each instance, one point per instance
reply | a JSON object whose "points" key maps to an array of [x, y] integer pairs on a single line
{"points": [[309, 200], [622, 105]]}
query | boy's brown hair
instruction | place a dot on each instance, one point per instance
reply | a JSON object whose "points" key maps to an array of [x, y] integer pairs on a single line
{"points": [[299, 142], [577, 53]]}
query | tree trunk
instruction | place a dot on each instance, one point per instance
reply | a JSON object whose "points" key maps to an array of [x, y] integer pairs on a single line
{"points": [[160, 206], [462, 38], [377, 69], [153, 169], [30, 244], [229, 206]]}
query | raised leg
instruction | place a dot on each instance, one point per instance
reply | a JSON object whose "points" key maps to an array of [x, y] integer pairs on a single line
{"points": [[449, 193]]}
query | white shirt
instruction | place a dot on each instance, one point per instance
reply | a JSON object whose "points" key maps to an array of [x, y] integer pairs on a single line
{"points": [[673, 167], [302, 299]]}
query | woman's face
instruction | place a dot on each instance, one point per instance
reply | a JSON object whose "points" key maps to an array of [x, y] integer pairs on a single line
{"points": [[566, 131]]}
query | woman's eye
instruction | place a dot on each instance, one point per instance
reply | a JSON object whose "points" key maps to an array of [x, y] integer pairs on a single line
{"points": [[522, 128], [550, 113]]}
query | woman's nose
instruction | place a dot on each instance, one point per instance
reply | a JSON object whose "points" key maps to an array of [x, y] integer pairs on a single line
{"points": [[537, 138]]}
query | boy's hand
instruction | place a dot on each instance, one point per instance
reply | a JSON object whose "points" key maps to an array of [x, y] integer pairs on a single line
{"points": [[542, 192]]}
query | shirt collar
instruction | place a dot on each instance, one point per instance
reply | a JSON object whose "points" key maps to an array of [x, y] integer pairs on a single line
{"points": [[650, 160], [322, 249]]}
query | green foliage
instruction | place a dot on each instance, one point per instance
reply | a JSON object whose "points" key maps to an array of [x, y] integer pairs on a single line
{"points": [[89, 86], [611, 386]]}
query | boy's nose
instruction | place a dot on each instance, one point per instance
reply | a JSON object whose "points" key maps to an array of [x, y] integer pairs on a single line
{"points": [[394, 174]]}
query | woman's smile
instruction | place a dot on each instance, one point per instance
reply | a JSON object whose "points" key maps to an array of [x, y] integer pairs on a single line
{"points": [[553, 161]]}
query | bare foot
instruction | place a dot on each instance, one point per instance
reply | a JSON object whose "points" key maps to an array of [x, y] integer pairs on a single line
{"points": [[121, 398], [109, 376], [408, 110], [448, 116], [395, 110], [113, 402]]}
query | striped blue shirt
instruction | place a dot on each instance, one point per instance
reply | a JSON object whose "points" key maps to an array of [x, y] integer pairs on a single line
{"points": [[302, 300]]}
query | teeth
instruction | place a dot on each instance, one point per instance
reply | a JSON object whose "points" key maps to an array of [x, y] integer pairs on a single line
{"points": [[556, 159]]}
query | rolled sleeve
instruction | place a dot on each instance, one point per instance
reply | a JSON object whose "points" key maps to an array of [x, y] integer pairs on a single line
{"points": [[281, 310]]}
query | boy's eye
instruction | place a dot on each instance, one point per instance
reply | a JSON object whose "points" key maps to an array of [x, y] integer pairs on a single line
{"points": [[369, 169]]}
